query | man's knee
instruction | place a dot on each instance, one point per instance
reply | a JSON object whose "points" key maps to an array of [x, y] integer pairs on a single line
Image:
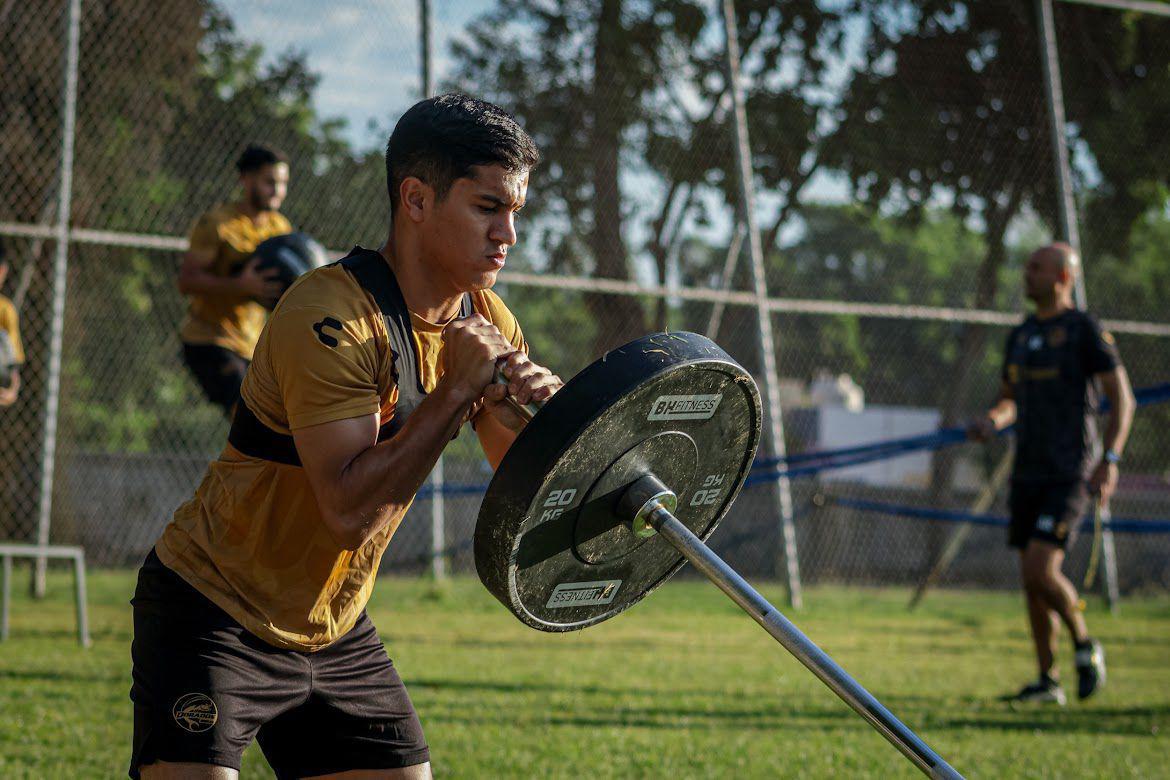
{"points": [[1040, 566], [415, 772], [167, 770]]}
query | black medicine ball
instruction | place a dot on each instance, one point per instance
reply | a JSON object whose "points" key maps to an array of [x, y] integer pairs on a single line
{"points": [[290, 256]]}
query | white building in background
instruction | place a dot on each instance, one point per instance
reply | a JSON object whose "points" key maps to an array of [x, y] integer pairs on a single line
{"points": [[841, 418], [829, 390]]}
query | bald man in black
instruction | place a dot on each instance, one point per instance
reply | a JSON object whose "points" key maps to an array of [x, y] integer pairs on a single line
{"points": [[1056, 365]]}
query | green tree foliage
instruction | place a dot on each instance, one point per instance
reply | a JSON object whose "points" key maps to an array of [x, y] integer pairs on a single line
{"points": [[950, 107], [159, 130], [1116, 68], [625, 95]]}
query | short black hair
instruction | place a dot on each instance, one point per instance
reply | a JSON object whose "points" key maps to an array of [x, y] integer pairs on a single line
{"points": [[438, 140], [256, 156]]}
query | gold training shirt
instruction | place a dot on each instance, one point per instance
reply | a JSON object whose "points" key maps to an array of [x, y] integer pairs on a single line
{"points": [[230, 321], [10, 323], [252, 539]]}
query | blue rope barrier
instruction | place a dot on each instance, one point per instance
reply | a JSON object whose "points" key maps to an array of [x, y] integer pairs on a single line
{"points": [[943, 435], [1119, 525], [453, 489], [825, 460], [809, 463]]}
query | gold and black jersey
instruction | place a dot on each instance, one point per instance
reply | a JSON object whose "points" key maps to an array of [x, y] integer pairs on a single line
{"points": [[252, 539], [1050, 365], [230, 321]]}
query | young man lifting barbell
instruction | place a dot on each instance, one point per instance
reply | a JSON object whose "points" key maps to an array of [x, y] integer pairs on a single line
{"points": [[249, 615]]}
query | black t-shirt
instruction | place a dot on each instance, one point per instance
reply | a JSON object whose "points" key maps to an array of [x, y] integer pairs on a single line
{"points": [[1050, 365]]}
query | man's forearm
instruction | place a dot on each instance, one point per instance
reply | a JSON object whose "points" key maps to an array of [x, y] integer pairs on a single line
{"points": [[1002, 413], [379, 484], [201, 283], [1120, 420]]}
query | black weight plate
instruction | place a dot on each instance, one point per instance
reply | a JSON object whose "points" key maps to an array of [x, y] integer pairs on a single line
{"points": [[549, 543]]}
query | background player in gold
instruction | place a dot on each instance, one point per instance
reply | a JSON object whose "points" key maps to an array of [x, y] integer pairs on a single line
{"points": [[219, 275], [249, 616]]}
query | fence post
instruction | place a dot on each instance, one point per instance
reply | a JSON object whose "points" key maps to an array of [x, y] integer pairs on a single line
{"points": [[424, 34], [1066, 205], [774, 428], [60, 269], [438, 526]]}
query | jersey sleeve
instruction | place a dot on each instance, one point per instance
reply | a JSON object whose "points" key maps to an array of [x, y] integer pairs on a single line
{"points": [[503, 318], [205, 235], [325, 365], [1100, 349], [1005, 372]]}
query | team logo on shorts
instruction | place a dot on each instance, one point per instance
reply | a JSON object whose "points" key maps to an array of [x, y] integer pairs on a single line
{"points": [[1045, 523], [195, 712]]}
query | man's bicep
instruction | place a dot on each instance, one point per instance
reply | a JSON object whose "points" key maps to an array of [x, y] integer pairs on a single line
{"points": [[326, 450], [1101, 355], [204, 237], [196, 260], [1113, 383]]}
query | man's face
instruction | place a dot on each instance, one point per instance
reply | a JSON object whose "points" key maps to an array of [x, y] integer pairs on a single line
{"points": [[1045, 276], [265, 187], [467, 234]]}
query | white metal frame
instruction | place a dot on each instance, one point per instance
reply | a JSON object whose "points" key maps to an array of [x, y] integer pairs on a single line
{"points": [[1140, 6], [60, 271], [40, 553], [774, 430]]}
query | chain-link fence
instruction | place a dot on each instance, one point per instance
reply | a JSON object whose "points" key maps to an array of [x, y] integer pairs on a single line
{"points": [[903, 169]]}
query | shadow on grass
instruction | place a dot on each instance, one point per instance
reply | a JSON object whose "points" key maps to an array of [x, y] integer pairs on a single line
{"points": [[1004, 716], [494, 686], [69, 633], [1133, 722], [525, 643], [61, 676], [727, 709], [664, 718]]}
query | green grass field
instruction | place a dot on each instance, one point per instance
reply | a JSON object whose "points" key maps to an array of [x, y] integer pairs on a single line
{"points": [[683, 685]]}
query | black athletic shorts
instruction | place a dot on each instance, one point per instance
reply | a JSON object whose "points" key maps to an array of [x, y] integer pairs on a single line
{"points": [[1050, 511], [204, 687], [219, 371]]}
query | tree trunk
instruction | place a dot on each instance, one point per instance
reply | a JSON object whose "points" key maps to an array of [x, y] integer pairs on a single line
{"points": [[661, 250], [956, 400], [619, 318]]}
